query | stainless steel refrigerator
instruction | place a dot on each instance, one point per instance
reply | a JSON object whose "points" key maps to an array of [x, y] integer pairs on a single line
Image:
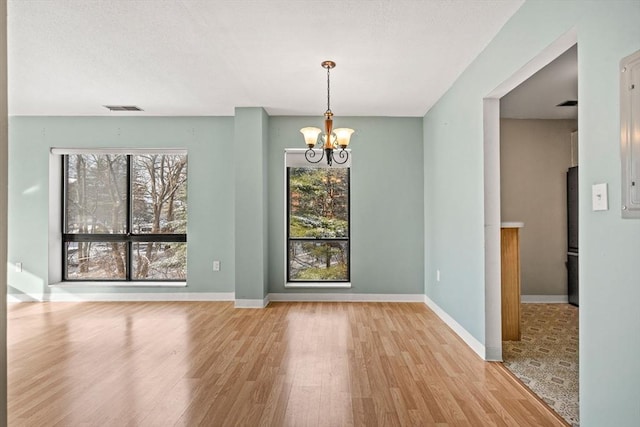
{"points": [[572, 235]]}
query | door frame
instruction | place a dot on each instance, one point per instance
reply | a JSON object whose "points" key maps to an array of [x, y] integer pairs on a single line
{"points": [[491, 148]]}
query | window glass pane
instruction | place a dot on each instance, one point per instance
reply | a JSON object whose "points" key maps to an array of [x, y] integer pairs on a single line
{"points": [[159, 261], [96, 193], [96, 260], [159, 193], [316, 261], [318, 202]]}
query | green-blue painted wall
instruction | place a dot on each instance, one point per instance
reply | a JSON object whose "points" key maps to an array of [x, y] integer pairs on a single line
{"points": [[609, 246], [236, 197], [386, 202], [250, 146], [210, 191]]}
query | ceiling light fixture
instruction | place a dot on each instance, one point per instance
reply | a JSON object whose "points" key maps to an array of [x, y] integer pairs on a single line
{"points": [[331, 139]]}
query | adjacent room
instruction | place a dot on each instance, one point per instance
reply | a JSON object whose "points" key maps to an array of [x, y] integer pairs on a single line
{"points": [[538, 183], [293, 212]]}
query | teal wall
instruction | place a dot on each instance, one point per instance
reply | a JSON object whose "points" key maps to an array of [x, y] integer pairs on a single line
{"points": [[210, 191], [609, 246], [386, 202], [236, 197], [250, 147]]}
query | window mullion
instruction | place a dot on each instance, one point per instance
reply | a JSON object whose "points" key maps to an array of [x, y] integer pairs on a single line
{"points": [[129, 222], [63, 217]]}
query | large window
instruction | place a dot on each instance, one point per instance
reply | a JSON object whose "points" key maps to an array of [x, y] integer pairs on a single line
{"points": [[124, 217], [318, 224]]}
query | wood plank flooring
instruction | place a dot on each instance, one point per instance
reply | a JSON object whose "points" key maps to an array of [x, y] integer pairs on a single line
{"points": [[290, 364]]}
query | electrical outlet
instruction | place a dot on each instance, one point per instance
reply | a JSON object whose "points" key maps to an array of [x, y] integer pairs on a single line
{"points": [[437, 275], [216, 265]]}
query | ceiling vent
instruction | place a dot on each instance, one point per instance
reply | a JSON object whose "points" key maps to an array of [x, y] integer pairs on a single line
{"points": [[569, 103], [123, 108]]}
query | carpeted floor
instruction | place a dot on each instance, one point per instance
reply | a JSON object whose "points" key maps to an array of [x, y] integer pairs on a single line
{"points": [[546, 358]]}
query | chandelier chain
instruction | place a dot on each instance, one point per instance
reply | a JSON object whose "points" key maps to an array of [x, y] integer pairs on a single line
{"points": [[328, 91]]}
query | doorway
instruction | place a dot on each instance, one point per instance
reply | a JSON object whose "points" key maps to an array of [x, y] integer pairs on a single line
{"points": [[492, 190]]}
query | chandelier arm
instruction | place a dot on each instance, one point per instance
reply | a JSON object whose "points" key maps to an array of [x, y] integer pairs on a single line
{"points": [[343, 155], [310, 154]]}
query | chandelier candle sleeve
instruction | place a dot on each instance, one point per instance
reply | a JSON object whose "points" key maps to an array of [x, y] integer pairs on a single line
{"points": [[343, 135], [310, 135], [331, 139]]}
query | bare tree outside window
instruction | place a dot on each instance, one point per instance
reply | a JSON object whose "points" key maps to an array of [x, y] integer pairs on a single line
{"points": [[125, 217]]}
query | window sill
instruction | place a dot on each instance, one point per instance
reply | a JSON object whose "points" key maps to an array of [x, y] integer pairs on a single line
{"points": [[318, 285], [75, 284]]}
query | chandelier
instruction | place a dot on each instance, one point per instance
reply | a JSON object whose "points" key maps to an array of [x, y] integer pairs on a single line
{"points": [[331, 139]]}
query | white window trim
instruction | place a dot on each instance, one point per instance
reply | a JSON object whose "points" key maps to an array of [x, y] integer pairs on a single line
{"points": [[118, 284], [123, 151], [55, 223], [318, 285], [294, 157]]}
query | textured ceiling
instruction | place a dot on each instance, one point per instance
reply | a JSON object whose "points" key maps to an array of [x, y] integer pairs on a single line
{"points": [[193, 57], [538, 97]]}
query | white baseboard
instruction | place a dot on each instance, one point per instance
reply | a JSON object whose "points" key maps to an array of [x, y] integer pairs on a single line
{"points": [[545, 299], [469, 339], [493, 354], [211, 296], [122, 297], [252, 303], [340, 297]]}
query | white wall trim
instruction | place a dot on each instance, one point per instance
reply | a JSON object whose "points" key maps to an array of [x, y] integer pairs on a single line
{"points": [[544, 299], [118, 284], [212, 296], [318, 285], [295, 157], [120, 297], [493, 354], [492, 219], [457, 328], [336, 297], [252, 303], [61, 151]]}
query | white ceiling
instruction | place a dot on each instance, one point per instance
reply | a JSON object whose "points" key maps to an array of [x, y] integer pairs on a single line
{"points": [[538, 97], [197, 57]]}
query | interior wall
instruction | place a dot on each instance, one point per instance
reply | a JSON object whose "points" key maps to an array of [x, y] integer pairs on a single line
{"points": [[210, 193], [250, 124], [387, 244], [534, 157], [454, 203], [224, 203]]}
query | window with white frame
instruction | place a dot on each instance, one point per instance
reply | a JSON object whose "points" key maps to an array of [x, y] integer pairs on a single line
{"points": [[124, 216], [318, 221]]}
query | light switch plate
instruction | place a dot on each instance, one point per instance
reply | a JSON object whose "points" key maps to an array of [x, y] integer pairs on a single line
{"points": [[599, 198]]}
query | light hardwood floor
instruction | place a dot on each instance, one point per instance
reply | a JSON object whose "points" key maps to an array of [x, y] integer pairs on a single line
{"points": [[291, 364]]}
